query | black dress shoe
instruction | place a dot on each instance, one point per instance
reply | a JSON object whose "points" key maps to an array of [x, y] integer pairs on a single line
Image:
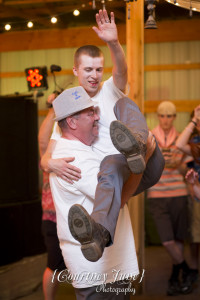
{"points": [[173, 287], [92, 236], [186, 285], [129, 144]]}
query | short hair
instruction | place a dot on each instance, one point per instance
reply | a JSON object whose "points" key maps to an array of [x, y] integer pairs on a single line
{"points": [[89, 50], [166, 108], [63, 123]]}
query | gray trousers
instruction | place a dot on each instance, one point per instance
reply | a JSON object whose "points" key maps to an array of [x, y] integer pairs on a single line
{"points": [[114, 170]]}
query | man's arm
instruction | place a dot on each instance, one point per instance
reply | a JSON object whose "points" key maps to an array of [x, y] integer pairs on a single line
{"points": [[59, 166], [182, 141], [107, 31], [45, 132], [192, 178]]}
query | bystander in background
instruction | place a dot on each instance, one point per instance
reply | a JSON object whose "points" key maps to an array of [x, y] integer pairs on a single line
{"points": [[167, 200]]}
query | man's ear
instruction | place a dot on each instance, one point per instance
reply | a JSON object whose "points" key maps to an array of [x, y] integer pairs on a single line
{"points": [[71, 122], [75, 71]]}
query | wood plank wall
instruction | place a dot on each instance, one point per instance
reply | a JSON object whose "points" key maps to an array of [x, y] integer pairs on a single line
{"points": [[168, 31]]}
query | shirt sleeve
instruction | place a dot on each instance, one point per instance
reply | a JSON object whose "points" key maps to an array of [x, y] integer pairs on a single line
{"points": [[110, 86], [56, 134]]}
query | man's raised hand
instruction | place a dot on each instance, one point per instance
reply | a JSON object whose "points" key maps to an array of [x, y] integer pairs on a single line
{"points": [[107, 29]]}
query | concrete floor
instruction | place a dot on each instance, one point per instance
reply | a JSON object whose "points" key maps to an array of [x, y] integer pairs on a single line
{"points": [[157, 270]]}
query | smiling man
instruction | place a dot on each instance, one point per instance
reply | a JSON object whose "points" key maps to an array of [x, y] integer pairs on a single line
{"points": [[113, 105], [88, 67], [78, 121]]}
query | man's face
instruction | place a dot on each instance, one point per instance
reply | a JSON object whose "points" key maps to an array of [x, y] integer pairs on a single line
{"points": [[89, 73], [166, 121], [87, 125]]}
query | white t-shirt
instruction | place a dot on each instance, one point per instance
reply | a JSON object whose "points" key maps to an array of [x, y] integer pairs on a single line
{"points": [[120, 258], [106, 98]]}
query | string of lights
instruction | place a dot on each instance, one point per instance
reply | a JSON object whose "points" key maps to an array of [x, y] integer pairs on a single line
{"points": [[191, 5], [30, 24], [54, 19]]}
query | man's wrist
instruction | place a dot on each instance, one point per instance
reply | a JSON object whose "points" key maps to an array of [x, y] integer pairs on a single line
{"points": [[114, 43], [49, 165]]}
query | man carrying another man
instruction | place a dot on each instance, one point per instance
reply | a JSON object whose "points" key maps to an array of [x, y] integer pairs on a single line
{"points": [[88, 67], [78, 121]]}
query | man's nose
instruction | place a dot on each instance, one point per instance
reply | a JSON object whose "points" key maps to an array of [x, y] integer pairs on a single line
{"points": [[94, 74], [97, 117]]}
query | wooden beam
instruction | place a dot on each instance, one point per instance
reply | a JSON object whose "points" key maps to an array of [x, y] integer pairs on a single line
{"points": [[174, 31], [48, 39], [180, 30], [62, 72], [44, 10], [135, 53], [17, 12], [24, 2], [70, 6], [172, 67], [135, 62], [150, 106], [147, 68]]}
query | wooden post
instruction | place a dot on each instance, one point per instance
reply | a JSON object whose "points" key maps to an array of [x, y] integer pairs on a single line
{"points": [[135, 60]]}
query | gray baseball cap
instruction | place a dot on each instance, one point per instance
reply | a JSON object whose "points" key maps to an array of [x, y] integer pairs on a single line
{"points": [[70, 102]]}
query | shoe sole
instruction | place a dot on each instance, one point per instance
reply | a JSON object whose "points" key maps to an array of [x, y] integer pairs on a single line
{"points": [[127, 144], [186, 290], [80, 226]]}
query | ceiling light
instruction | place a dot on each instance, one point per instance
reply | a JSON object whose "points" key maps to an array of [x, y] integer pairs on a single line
{"points": [[54, 20], [7, 27], [30, 24], [76, 12]]}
